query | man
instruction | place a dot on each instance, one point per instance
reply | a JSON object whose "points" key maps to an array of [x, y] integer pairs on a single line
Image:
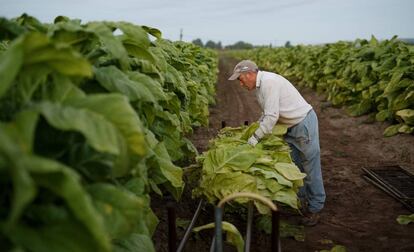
{"points": [[281, 102]]}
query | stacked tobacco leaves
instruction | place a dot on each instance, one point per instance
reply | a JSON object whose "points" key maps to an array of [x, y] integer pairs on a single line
{"points": [[231, 165]]}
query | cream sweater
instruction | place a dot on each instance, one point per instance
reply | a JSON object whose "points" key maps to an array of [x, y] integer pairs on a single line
{"points": [[280, 101]]}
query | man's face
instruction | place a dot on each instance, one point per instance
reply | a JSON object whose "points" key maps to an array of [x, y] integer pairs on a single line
{"points": [[248, 80]]}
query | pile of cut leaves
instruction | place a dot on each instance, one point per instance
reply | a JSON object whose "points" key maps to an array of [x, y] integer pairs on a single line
{"points": [[232, 165]]}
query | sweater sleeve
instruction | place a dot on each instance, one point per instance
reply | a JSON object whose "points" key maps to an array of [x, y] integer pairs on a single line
{"points": [[271, 97]]}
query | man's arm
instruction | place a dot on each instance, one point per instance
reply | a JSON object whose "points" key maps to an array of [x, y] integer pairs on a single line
{"points": [[261, 118]]}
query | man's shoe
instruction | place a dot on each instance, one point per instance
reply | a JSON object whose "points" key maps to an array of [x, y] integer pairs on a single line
{"points": [[310, 219]]}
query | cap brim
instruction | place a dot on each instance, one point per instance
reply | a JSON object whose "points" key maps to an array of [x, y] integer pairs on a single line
{"points": [[234, 76]]}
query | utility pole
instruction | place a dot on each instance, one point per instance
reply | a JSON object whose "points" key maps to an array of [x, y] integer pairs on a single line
{"points": [[181, 34]]}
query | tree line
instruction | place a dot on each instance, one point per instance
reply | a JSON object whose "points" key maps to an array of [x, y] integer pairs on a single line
{"points": [[213, 45], [238, 45]]}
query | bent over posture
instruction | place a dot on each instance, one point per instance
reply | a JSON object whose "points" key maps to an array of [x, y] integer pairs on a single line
{"points": [[281, 102]]}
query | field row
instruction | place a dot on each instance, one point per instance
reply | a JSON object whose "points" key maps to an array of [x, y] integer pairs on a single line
{"points": [[366, 76], [93, 119]]}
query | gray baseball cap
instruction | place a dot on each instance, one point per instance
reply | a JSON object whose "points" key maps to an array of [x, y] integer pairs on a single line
{"points": [[242, 67]]}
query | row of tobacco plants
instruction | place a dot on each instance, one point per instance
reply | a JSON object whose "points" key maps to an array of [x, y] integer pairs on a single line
{"points": [[93, 119], [367, 76]]}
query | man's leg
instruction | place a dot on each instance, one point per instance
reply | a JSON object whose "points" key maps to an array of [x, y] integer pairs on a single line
{"points": [[305, 139]]}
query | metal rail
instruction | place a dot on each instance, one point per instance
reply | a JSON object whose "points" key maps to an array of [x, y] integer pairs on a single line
{"points": [[190, 226], [172, 232], [249, 226], [218, 211]]}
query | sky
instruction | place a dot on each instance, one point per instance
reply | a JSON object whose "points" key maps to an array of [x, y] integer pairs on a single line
{"points": [[257, 22]]}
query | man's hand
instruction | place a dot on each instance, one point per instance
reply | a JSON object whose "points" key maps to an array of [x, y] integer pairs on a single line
{"points": [[252, 141]]}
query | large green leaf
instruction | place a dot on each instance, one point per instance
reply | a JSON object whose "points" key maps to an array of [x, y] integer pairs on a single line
{"points": [[64, 182], [137, 51], [134, 242], [249, 131], [139, 185], [361, 108], [10, 64], [153, 31], [9, 29], [174, 77], [114, 80], [134, 32], [63, 235], [392, 130], [405, 219], [406, 129], [407, 115], [121, 209], [172, 173], [151, 84], [110, 42], [99, 132], [31, 23], [279, 129], [233, 235], [286, 230], [62, 89], [223, 160], [70, 32], [23, 129], [63, 59], [116, 109], [24, 189], [273, 174], [225, 184], [135, 40], [287, 197], [394, 83], [289, 171], [16, 140], [336, 248], [383, 115]]}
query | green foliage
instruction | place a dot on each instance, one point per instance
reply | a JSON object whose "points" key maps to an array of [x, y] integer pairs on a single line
{"points": [[240, 45], [336, 248], [286, 230], [213, 45], [92, 122], [233, 235], [405, 219], [366, 76], [198, 42]]}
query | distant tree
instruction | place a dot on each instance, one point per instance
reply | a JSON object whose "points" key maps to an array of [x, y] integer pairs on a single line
{"points": [[219, 46], [198, 42], [287, 44], [240, 45], [211, 44], [408, 40]]}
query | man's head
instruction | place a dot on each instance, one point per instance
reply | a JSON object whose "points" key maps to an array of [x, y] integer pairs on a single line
{"points": [[246, 72]]}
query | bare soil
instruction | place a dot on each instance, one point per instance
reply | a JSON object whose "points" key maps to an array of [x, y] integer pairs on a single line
{"points": [[357, 215]]}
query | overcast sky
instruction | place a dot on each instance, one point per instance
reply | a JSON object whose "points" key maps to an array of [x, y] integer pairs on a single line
{"points": [[229, 21]]}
